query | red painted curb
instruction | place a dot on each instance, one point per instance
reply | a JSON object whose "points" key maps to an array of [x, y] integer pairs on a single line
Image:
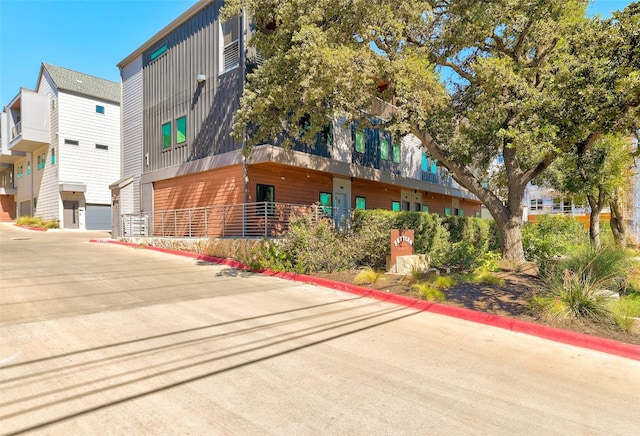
{"points": [[38, 229], [609, 346]]}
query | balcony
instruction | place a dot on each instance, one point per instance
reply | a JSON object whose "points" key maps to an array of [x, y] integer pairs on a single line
{"points": [[28, 122]]}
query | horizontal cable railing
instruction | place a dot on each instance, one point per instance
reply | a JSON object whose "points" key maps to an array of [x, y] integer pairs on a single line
{"points": [[263, 219]]}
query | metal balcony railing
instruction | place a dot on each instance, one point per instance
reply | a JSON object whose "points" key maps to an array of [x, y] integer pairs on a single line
{"points": [[263, 219]]}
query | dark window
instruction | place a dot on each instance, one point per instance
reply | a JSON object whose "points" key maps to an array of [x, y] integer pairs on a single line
{"points": [[406, 205], [71, 142], [53, 156], [417, 207], [266, 194], [99, 109], [102, 147]]}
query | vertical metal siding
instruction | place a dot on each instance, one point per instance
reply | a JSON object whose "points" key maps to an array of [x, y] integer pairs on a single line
{"points": [[132, 128], [172, 91]]}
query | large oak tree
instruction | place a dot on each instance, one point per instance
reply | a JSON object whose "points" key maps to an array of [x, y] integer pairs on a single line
{"points": [[473, 80]]}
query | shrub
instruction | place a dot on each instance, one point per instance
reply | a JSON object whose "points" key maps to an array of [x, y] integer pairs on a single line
{"points": [[481, 275], [471, 239], [574, 295], [429, 292], [316, 246], [609, 265], [368, 276], [551, 235]]}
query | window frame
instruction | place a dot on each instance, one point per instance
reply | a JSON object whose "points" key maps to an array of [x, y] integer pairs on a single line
{"points": [[224, 47], [360, 199], [100, 109], [270, 203], [166, 136], [179, 120], [359, 142], [158, 52], [397, 153], [395, 206], [322, 199]]}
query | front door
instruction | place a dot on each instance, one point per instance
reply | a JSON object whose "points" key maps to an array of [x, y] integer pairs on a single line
{"points": [[70, 215]]}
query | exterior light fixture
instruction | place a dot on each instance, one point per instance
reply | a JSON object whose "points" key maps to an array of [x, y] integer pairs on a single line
{"points": [[201, 78]]}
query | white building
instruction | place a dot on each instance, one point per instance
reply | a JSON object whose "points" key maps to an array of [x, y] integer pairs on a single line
{"points": [[67, 132]]}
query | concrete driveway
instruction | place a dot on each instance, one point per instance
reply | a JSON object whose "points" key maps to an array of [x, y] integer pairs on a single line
{"points": [[105, 339]]}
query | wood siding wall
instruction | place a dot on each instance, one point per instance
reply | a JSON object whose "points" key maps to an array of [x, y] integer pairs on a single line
{"points": [[298, 187], [7, 208], [209, 188], [171, 91]]}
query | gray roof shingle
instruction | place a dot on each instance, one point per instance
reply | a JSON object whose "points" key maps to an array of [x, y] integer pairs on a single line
{"points": [[73, 81]]}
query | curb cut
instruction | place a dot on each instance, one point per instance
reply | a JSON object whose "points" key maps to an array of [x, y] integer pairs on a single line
{"points": [[609, 346]]}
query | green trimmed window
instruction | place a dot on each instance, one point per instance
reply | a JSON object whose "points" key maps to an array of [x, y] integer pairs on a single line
{"points": [[326, 201], [425, 208], [384, 149], [99, 109], [359, 142], [158, 52], [181, 130], [361, 203], [396, 153], [28, 168], [395, 206], [447, 211], [53, 156], [166, 135]]}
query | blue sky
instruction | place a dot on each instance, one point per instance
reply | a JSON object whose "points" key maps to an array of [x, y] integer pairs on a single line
{"points": [[92, 36]]}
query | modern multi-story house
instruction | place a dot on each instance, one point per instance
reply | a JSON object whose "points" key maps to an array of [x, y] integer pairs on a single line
{"points": [[63, 149], [180, 91]]}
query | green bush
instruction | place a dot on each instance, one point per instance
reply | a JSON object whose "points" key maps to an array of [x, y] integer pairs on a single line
{"points": [[552, 235], [471, 239], [429, 292]]}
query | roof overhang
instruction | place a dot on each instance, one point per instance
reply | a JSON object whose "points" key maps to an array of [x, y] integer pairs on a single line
{"points": [[72, 187]]}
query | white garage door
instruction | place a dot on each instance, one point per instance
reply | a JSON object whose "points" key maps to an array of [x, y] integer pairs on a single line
{"points": [[98, 217]]}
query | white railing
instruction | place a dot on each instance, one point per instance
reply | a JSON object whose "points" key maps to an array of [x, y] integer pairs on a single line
{"points": [[236, 220]]}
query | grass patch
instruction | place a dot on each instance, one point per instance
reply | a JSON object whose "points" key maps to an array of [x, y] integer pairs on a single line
{"points": [[428, 292], [37, 222], [624, 310], [368, 276], [443, 282]]}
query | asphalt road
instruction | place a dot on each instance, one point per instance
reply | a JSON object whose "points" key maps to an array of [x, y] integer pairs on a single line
{"points": [[105, 339]]}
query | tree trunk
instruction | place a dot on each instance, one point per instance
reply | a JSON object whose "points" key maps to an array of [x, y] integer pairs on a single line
{"points": [[596, 205], [511, 238], [617, 224]]}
